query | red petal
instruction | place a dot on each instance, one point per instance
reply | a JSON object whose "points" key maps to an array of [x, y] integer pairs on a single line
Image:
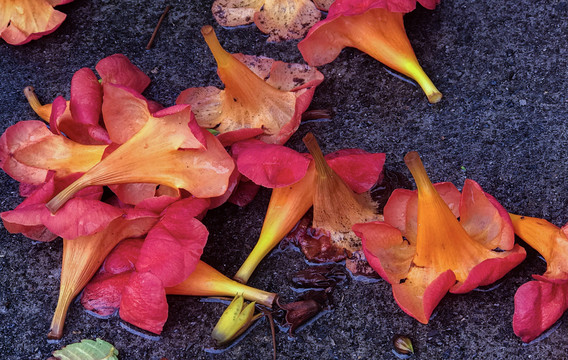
{"points": [[538, 305], [359, 169], [144, 302], [80, 217], [484, 219], [172, 249], [234, 181], [245, 193], [117, 69], [269, 165]]}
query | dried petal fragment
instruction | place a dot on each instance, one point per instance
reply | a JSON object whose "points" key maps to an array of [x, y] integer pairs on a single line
{"points": [[280, 19], [286, 19]]}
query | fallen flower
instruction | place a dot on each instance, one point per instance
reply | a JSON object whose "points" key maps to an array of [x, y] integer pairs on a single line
{"points": [[344, 175], [106, 291], [83, 256], [262, 98], [24, 21], [423, 250], [169, 149], [540, 303], [375, 28], [280, 19]]}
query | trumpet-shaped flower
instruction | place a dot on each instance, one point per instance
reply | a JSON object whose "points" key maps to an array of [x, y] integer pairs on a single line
{"points": [[166, 147], [141, 296], [423, 250], [280, 19], [22, 21], [262, 98], [335, 186], [540, 303], [374, 27]]}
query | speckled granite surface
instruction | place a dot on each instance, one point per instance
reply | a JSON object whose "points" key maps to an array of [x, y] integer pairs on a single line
{"points": [[502, 67]]}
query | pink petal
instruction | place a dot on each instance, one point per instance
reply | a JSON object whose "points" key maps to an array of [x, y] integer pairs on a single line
{"points": [[419, 295], [133, 193], [231, 137], [538, 305], [117, 69], [144, 302], [359, 169], [86, 97], [385, 250], [172, 249], [80, 217], [17, 137], [269, 165]]}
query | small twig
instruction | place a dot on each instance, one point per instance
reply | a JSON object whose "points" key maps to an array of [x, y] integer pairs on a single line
{"points": [[157, 27], [268, 314]]}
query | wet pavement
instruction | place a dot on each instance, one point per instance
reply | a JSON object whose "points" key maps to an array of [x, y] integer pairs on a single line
{"points": [[502, 67]]}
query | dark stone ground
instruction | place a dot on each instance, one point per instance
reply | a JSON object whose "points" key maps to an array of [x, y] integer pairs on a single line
{"points": [[502, 67]]}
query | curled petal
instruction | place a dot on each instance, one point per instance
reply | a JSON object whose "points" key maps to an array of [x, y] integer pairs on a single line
{"points": [[421, 291], [359, 169], [103, 294], [385, 250], [484, 219], [117, 69]]}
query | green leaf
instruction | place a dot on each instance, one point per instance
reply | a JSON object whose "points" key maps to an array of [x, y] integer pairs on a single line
{"points": [[88, 350]]}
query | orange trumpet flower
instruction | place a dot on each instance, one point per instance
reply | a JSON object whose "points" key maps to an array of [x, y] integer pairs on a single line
{"points": [[374, 27], [423, 250], [249, 106]]}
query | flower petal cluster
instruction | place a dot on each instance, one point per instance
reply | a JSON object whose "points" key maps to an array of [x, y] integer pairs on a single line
{"points": [[424, 251], [22, 21], [376, 28], [540, 303], [163, 170]]}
